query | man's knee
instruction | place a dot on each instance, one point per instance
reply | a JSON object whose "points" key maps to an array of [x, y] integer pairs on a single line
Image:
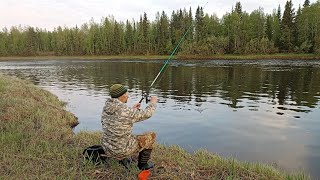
{"points": [[153, 135], [150, 134], [147, 139]]}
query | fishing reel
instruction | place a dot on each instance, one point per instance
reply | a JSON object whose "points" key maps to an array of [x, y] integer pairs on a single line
{"points": [[145, 96]]}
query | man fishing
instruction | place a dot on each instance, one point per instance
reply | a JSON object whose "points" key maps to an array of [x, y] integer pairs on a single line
{"points": [[117, 123]]}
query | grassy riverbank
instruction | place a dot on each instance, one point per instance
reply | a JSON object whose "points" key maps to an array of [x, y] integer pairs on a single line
{"points": [[37, 142], [163, 57]]}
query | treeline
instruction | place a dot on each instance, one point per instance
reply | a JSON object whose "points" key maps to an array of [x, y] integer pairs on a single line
{"points": [[237, 32]]}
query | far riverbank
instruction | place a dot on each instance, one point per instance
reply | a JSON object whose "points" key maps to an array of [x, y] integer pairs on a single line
{"points": [[177, 57]]}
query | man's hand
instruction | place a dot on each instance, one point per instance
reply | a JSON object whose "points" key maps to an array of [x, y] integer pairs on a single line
{"points": [[137, 106], [153, 99]]}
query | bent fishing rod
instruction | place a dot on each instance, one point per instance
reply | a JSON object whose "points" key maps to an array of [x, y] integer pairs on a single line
{"points": [[146, 94]]}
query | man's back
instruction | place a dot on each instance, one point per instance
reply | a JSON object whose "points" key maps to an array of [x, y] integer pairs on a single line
{"points": [[117, 123]]}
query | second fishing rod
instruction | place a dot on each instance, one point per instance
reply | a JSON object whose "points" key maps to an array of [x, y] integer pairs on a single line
{"points": [[145, 94]]}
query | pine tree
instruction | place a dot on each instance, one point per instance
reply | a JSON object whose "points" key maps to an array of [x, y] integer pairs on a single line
{"points": [[164, 34], [135, 38], [199, 24], [306, 3], [31, 42], [145, 34], [276, 27], [297, 24], [117, 38], [287, 27], [140, 37], [279, 13], [129, 39], [176, 28], [269, 30], [238, 8], [190, 21]]}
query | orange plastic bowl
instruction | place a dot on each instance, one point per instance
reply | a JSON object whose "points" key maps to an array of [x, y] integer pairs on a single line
{"points": [[143, 175]]}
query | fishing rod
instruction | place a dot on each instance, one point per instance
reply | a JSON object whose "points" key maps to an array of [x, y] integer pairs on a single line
{"points": [[145, 95]]}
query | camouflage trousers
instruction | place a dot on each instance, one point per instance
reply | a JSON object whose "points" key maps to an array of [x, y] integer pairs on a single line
{"points": [[145, 141]]}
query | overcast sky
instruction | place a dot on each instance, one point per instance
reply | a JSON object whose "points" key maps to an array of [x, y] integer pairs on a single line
{"points": [[52, 13]]}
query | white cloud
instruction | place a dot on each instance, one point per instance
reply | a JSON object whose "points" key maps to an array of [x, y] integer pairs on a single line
{"points": [[50, 14]]}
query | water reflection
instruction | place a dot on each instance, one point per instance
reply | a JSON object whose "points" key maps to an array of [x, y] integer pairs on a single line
{"points": [[255, 110], [292, 87]]}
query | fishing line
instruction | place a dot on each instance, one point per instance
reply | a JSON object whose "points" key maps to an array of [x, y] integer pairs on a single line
{"points": [[145, 95]]}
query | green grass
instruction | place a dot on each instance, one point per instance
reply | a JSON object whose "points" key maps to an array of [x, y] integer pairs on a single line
{"points": [[37, 142], [290, 56]]}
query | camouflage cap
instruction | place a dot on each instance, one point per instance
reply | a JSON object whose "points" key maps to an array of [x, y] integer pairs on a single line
{"points": [[117, 90]]}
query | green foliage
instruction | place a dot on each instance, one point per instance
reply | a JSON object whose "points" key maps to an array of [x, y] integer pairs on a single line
{"points": [[276, 34], [305, 47], [287, 28], [231, 25], [129, 38], [212, 45], [309, 26], [199, 24], [294, 31], [238, 8], [269, 27], [263, 46], [163, 38]]}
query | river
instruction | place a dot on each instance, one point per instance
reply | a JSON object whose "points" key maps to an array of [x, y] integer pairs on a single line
{"points": [[259, 111]]}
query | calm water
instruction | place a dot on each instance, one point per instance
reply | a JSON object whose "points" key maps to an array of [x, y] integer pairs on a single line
{"points": [[266, 111]]}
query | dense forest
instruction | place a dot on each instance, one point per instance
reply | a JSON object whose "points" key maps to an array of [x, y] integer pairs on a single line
{"points": [[237, 32]]}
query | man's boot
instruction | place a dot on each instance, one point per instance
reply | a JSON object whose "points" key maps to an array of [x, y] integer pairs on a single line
{"points": [[143, 159]]}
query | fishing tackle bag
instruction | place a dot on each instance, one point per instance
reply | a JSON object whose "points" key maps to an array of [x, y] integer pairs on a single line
{"points": [[94, 154]]}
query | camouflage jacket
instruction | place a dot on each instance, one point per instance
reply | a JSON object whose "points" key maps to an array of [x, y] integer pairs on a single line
{"points": [[117, 124]]}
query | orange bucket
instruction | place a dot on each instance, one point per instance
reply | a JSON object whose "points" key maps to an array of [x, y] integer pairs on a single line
{"points": [[143, 175]]}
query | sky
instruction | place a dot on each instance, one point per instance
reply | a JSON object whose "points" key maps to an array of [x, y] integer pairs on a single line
{"points": [[53, 13]]}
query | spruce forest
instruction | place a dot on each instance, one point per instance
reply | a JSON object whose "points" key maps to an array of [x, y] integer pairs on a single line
{"points": [[237, 32]]}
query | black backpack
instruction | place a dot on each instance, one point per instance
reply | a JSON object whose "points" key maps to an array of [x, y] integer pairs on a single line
{"points": [[94, 154]]}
